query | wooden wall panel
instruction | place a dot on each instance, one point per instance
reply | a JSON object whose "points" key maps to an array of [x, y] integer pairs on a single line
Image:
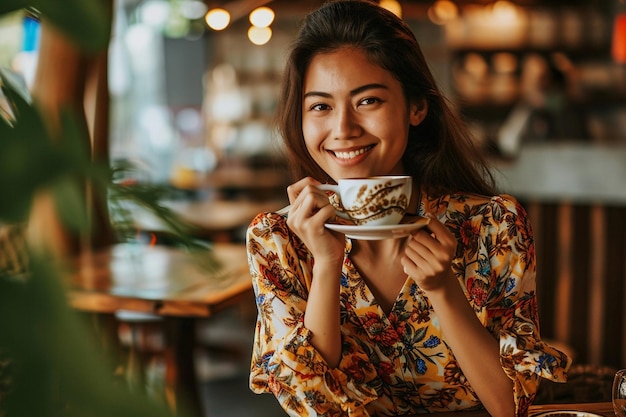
{"points": [[614, 346], [581, 278]]}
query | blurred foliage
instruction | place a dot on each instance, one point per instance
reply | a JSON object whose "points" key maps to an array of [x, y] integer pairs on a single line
{"points": [[54, 366], [127, 197], [87, 23], [30, 160]]}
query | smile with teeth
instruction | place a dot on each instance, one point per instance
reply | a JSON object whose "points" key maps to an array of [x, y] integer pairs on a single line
{"points": [[352, 154]]}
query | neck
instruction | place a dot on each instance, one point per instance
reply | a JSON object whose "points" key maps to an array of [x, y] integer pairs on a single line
{"points": [[379, 249]]}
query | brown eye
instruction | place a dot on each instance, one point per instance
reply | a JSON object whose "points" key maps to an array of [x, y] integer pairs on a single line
{"points": [[319, 107], [369, 101]]}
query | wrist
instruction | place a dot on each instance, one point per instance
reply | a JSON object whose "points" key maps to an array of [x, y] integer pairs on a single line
{"points": [[327, 267], [445, 288]]}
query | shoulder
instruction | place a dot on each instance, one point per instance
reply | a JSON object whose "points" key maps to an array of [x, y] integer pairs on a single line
{"points": [[493, 214], [474, 204], [269, 232], [265, 230], [268, 223], [277, 258]]}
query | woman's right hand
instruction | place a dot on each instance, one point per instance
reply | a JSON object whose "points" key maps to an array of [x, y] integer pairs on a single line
{"points": [[310, 209]]}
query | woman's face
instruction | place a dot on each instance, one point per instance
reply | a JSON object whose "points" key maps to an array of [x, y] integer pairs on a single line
{"points": [[355, 117]]}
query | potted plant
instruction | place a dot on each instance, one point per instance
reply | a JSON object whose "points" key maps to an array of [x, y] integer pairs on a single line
{"points": [[56, 186]]}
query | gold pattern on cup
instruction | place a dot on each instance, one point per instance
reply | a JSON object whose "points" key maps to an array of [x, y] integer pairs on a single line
{"points": [[374, 203]]}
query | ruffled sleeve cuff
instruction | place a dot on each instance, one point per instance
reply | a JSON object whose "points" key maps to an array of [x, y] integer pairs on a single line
{"points": [[525, 354], [302, 357], [352, 397], [525, 359]]}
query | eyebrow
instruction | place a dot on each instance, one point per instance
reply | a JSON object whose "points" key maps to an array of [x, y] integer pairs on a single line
{"points": [[354, 92]]}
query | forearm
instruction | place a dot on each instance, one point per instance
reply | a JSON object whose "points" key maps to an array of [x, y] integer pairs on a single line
{"points": [[475, 349], [322, 312]]}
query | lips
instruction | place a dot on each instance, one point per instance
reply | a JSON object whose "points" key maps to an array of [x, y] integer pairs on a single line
{"points": [[347, 155]]}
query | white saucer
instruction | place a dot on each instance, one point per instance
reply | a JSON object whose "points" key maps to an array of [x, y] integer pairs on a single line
{"points": [[392, 231], [565, 413]]}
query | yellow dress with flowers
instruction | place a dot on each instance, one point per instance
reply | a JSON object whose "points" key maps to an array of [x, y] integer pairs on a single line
{"points": [[399, 363]]}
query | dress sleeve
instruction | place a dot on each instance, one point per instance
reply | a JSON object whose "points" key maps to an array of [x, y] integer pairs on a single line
{"points": [[283, 361], [502, 290]]}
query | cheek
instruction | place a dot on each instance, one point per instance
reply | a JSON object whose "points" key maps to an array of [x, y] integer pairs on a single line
{"points": [[397, 143], [312, 135]]}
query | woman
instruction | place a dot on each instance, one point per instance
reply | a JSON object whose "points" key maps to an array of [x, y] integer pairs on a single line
{"points": [[445, 319]]}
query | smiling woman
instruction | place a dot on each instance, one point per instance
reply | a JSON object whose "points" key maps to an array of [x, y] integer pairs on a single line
{"points": [[339, 105], [375, 324]]}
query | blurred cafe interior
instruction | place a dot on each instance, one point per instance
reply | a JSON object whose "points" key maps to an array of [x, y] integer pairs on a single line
{"points": [[190, 89]]}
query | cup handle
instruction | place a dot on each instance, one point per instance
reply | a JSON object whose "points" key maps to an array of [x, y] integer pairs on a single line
{"points": [[329, 187], [339, 210]]}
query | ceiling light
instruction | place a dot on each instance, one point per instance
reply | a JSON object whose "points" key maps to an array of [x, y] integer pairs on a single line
{"points": [[259, 36], [217, 18], [393, 6], [262, 17], [443, 11]]}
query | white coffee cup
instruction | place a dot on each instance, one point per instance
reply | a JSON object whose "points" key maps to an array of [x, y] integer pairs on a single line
{"points": [[371, 201]]}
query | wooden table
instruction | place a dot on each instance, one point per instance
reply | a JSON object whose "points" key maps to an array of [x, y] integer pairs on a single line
{"points": [[171, 284], [602, 409]]}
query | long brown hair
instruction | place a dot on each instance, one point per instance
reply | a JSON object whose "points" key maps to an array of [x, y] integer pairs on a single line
{"points": [[440, 153]]}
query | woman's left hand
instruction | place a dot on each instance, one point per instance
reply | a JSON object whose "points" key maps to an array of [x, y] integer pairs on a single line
{"points": [[428, 255]]}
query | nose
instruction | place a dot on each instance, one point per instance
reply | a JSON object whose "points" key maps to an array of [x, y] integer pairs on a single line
{"points": [[346, 123]]}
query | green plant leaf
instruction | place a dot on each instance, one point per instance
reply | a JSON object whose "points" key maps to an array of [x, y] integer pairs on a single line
{"points": [[69, 198], [27, 160], [7, 6], [74, 144], [86, 22], [58, 366], [13, 85], [30, 160]]}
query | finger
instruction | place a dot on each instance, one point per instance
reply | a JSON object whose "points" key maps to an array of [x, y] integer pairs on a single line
{"points": [[415, 269], [314, 190], [311, 208], [431, 257], [419, 253], [295, 189], [312, 199], [420, 260], [408, 266], [424, 242], [438, 230], [324, 215]]}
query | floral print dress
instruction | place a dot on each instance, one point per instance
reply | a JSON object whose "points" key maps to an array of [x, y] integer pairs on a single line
{"points": [[399, 363]]}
